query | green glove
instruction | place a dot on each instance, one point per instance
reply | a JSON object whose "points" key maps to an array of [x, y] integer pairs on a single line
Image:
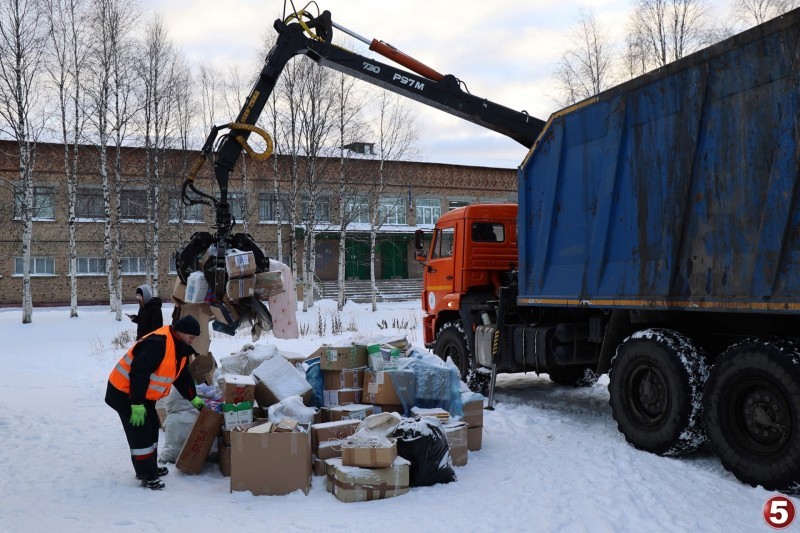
{"points": [[199, 403], [137, 415]]}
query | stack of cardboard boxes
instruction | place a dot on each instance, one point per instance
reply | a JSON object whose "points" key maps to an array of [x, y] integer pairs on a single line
{"points": [[367, 470], [276, 459], [473, 417]]}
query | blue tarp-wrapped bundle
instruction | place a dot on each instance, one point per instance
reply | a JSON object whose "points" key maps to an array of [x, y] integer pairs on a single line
{"points": [[437, 383]]}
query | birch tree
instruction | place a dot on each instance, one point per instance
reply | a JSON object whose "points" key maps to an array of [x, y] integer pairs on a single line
{"points": [[754, 12], [667, 30], [68, 45], [158, 77], [289, 91], [184, 118], [316, 114], [349, 102], [586, 68], [22, 45], [396, 134], [111, 22]]}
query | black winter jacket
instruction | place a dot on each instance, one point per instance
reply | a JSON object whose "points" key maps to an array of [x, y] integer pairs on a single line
{"points": [[149, 318]]}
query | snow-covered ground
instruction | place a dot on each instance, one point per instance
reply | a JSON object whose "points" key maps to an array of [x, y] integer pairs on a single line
{"points": [[552, 458]]}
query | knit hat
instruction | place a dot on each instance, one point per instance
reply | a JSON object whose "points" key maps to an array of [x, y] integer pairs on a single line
{"points": [[188, 325]]}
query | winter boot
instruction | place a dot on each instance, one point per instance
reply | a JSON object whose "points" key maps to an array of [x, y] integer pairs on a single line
{"points": [[153, 483], [161, 471]]}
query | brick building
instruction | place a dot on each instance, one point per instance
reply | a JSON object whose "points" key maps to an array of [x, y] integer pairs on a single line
{"points": [[418, 194]]}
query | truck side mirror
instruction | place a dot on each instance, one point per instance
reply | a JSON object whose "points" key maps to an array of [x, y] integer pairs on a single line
{"points": [[419, 245]]}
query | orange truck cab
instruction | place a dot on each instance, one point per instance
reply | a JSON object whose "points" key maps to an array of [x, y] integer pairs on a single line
{"points": [[471, 249]]}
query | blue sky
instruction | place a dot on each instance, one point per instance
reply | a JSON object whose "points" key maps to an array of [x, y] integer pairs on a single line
{"points": [[505, 51]]}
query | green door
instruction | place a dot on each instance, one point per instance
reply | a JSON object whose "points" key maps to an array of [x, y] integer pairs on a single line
{"points": [[393, 258], [356, 260]]}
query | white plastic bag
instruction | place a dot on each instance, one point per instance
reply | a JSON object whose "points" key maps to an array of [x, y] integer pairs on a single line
{"points": [[291, 407], [177, 427]]}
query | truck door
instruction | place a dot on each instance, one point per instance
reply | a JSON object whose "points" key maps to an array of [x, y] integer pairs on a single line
{"points": [[439, 276]]}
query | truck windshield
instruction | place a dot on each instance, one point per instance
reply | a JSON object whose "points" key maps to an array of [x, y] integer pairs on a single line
{"points": [[443, 245], [487, 232]]}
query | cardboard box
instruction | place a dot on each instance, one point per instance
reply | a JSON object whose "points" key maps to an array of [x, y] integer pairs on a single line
{"points": [[332, 431], [474, 438], [286, 425], [270, 463], [320, 468], [473, 413], [456, 433], [239, 288], [179, 291], [348, 378], [240, 264], [224, 457], [277, 379], [329, 449], [388, 408], [268, 284], [237, 414], [201, 313], [237, 389], [332, 398], [341, 357], [370, 457], [353, 484], [202, 368], [354, 411], [226, 313], [378, 388], [195, 450]]}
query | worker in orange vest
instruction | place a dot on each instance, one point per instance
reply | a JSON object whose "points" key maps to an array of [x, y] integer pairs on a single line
{"points": [[144, 375]]}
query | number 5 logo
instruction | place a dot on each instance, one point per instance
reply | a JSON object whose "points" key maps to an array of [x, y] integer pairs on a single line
{"points": [[779, 512]]}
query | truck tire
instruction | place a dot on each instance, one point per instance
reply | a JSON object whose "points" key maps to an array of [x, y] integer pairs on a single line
{"points": [[655, 387], [752, 412], [452, 342], [581, 376]]}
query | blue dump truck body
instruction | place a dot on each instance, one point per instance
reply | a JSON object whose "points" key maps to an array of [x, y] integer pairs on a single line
{"points": [[658, 241], [677, 190]]}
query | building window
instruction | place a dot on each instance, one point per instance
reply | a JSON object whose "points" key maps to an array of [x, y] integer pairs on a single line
{"points": [[428, 211], [133, 205], [134, 265], [455, 204], [89, 203], [393, 210], [173, 265], [43, 202], [269, 205], [238, 204], [40, 266], [323, 209], [91, 266], [191, 213], [357, 210]]}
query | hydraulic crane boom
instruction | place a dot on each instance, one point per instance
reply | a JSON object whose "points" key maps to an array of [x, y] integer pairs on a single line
{"points": [[302, 34]]}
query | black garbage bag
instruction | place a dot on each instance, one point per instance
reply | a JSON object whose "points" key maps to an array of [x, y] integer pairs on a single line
{"points": [[422, 442]]}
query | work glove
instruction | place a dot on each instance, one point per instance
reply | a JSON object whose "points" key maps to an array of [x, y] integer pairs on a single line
{"points": [[198, 403], [137, 415]]}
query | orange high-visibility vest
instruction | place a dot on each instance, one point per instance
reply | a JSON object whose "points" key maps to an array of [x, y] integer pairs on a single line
{"points": [[160, 380]]}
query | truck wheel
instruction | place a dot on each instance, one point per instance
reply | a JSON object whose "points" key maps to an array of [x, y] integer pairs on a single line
{"points": [[655, 387], [752, 412], [452, 342], [581, 376]]}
